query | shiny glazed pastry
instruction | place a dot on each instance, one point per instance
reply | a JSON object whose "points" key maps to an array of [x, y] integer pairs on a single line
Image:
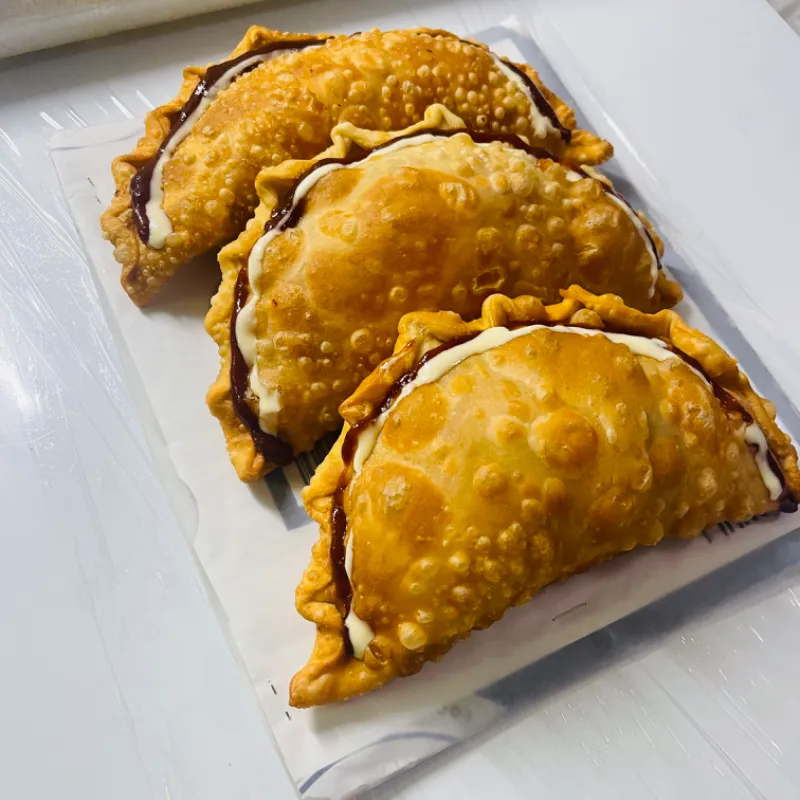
{"points": [[386, 223], [187, 188], [485, 460]]}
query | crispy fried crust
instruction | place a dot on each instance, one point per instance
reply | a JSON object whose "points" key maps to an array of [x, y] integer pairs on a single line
{"points": [[285, 109], [440, 474], [716, 363], [442, 224]]}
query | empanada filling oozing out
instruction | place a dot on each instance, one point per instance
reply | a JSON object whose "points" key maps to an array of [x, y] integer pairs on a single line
{"points": [[247, 389], [361, 438]]}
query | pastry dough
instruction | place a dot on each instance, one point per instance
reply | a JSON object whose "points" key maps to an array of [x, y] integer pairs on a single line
{"points": [[495, 475], [297, 88], [421, 219]]}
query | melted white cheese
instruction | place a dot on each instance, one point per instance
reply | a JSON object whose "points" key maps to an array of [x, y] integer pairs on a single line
{"points": [[269, 404], [159, 223], [648, 243], [542, 126], [360, 632], [755, 436]]}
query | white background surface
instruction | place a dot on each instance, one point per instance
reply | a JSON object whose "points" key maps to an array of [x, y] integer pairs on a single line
{"points": [[117, 680]]}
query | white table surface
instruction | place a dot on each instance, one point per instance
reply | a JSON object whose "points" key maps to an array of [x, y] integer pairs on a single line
{"points": [[117, 679]]}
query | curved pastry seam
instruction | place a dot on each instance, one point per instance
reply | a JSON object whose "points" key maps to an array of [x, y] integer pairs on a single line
{"points": [[451, 357], [646, 237], [754, 436], [714, 361], [489, 339], [495, 337]]}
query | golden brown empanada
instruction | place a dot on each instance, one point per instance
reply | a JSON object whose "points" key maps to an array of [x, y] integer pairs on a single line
{"points": [[485, 460], [187, 188], [386, 223]]}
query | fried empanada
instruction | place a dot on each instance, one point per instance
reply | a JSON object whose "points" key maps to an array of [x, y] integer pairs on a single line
{"points": [[386, 223], [187, 188], [485, 460]]}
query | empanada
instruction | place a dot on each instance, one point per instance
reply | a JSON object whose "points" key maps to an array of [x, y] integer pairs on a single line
{"points": [[386, 223], [485, 460], [187, 188]]}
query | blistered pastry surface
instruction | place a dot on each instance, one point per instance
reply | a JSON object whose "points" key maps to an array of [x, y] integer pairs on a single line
{"points": [[519, 467], [442, 224], [286, 108]]}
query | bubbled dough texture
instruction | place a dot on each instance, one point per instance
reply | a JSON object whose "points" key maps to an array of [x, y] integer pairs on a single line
{"points": [[286, 107], [524, 465], [439, 225]]}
